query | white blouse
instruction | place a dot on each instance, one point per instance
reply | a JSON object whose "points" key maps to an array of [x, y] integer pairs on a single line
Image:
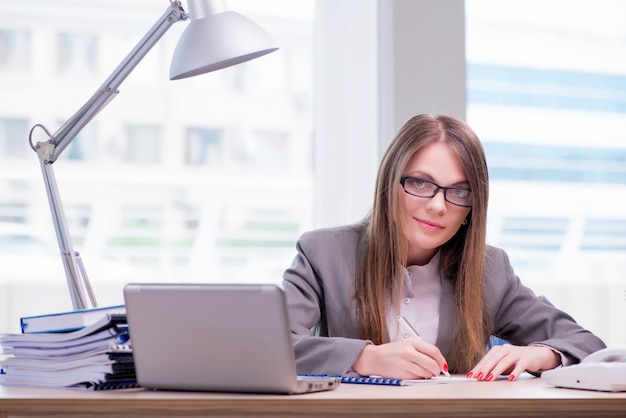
{"points": [[420, 302]]}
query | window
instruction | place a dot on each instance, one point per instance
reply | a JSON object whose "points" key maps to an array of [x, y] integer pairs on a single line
{"points": [[173, 180], [84, 147], [14, 50], [77, 54], [204, 146], [12, 213], [545, 91], [12, 138], [551, 127]]}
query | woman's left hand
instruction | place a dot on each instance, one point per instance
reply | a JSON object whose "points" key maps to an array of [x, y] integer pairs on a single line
{"points": [[514, 360]]}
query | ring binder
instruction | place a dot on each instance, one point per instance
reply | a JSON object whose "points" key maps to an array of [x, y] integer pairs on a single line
{"points": [[96, 357]]}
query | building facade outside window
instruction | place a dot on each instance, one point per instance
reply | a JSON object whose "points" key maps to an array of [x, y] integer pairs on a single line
{"points": [[203, 179], [14, 48], [545, 91]]}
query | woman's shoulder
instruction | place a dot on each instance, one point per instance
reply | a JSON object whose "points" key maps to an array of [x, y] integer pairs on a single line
{"points": [[334, 238], [337, 232], [496, 261], [492, 251]]}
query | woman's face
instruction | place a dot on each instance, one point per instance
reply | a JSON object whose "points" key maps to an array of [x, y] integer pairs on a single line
{"points": [[430, 222]]}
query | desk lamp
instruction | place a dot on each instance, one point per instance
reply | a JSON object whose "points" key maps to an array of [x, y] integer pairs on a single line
{"points": [[215, 38]]}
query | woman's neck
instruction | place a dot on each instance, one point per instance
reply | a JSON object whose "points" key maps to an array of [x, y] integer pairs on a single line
{"points": [[420, 257]]}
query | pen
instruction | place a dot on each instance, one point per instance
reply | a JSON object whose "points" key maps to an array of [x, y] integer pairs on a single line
{"points": [[405, 327]]}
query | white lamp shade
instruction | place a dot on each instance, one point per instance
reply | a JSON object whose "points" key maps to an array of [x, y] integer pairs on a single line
{"points": [[218, 41]]}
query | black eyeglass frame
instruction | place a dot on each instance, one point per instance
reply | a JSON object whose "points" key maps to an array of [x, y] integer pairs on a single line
{"points": [[437, 188]]}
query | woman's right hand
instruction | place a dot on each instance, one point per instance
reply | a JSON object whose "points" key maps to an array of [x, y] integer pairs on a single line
{"points": [[409, 358]]}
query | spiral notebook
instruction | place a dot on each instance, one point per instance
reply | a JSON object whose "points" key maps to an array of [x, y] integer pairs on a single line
{"points": [[386, 381], [215, 337]]}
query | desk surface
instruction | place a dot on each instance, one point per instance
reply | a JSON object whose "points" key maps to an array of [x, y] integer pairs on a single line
{"points": [[527, 397]]}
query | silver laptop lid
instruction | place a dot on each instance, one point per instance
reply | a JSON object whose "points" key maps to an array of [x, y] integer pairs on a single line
{"points": [[211, 337]]}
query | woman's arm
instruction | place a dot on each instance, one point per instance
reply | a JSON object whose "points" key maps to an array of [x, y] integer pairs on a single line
{"points": [[541, 332], [319, 287]]}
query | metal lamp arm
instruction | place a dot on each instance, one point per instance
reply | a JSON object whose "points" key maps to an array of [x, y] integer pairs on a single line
{"points": [[48, 151]]}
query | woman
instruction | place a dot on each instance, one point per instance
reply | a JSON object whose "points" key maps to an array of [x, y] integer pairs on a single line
{"points": [[421, 255]]}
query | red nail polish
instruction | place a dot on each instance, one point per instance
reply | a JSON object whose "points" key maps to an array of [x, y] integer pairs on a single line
{"points": [[489, 377], [469, 375], [511, 378], [445, 367], [480, 376]]}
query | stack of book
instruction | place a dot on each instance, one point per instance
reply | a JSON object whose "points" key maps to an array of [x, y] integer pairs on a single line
{"points": [[87, 349]]}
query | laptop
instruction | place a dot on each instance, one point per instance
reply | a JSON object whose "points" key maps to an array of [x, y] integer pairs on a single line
{"points": [[215, 337]]}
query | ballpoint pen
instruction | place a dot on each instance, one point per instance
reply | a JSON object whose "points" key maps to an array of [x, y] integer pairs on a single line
{"points": [[408, 331]]}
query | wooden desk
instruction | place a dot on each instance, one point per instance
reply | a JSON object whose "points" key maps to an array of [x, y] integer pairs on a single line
{"points": [[527, 398]]}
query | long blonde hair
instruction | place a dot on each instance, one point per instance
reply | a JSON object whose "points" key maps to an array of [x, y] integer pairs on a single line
{"points": [[462, 258]]}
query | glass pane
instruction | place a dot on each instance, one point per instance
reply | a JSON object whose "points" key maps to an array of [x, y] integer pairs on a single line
{"points": [[76, 54], [204, 146], [12, 143], [14, 50], [84, 146], [546, 85], [187, 180]]}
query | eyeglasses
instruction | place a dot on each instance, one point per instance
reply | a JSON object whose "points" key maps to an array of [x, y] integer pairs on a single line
{"points": [[424, 188]]}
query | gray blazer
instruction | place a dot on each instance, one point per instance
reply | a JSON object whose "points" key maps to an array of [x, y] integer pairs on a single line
{"points": [[320, 285]]}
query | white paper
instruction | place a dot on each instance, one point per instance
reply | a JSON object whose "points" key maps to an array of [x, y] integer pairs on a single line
{"points": [[438, 380]]}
